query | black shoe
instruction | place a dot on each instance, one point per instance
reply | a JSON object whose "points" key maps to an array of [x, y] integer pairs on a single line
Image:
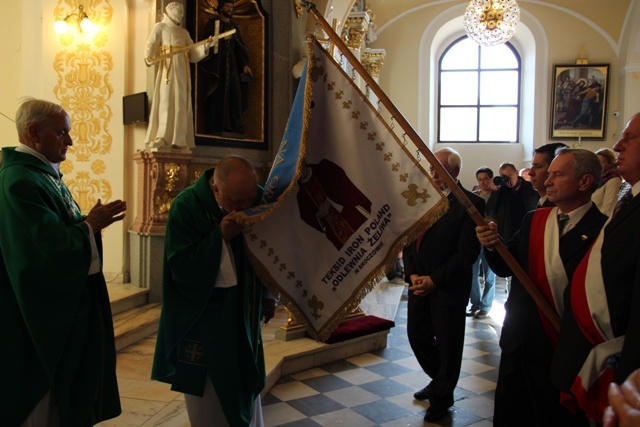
{"points": [[472, 311], [437, 411], [422, 394], [481, 314]]}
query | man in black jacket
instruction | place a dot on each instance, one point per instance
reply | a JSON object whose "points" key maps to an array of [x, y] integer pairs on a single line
{"points": [[601, 320], [514, 198], [549, 246], [438, 269], [539, 170]]}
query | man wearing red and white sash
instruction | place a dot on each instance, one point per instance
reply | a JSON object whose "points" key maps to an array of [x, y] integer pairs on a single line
{"points": [[600, 332], [549, 246]]}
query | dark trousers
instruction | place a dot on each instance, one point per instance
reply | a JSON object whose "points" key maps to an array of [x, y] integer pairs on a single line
{"points": [[525, 396], [436, 335]]}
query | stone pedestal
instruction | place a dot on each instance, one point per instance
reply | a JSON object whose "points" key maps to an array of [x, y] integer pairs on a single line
{"points": [[294, 329], [145, 254], [161, 176]]}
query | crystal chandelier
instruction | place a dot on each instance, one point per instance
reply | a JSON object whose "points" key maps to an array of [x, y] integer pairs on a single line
{"points": [[491, 22]]}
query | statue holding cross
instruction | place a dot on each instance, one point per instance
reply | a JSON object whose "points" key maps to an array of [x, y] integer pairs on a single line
{"points": [[171, 48]]}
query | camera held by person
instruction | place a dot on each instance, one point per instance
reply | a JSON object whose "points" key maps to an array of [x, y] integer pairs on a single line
{"points": [[500, 180]]}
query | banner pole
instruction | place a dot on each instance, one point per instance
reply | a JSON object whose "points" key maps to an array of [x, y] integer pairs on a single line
{"points": [[452, 185]]}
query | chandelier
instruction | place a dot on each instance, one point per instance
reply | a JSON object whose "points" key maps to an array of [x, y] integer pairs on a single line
{"points": [[491, 22]]}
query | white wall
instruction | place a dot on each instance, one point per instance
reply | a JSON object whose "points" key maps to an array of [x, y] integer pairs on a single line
{"points": [[415, 36]]}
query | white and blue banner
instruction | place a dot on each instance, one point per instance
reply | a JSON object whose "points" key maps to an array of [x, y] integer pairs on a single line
{"points": [[343, 197]]}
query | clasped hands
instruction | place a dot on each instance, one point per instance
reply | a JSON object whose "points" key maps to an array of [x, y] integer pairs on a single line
{"points": [[101, 216], [421, 285]]}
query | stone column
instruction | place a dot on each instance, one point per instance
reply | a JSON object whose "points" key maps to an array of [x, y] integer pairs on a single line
{"points": [[373, 60], [354, 33]]}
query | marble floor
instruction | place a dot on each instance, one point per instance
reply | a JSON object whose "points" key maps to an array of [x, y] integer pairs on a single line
{"points": [[370, 389]]}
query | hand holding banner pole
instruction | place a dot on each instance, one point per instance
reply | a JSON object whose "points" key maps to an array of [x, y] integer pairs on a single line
{"points": [[517, 270]]}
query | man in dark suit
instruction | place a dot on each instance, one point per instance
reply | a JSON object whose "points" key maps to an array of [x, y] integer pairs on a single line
{"points": [[606, 329], [512, 200], [438, 269], [549, 246], [539, 170]]}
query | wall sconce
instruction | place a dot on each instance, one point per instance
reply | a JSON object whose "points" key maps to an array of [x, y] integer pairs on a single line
{"points": [[491, 22], [80, 21]]}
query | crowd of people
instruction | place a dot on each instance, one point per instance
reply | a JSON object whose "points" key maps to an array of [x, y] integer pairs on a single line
{"points": [[570, 221], [580, 249]]}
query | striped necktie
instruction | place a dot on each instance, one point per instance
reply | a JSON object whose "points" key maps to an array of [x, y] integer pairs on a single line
{"points": [[562, 221], [624, 197]]}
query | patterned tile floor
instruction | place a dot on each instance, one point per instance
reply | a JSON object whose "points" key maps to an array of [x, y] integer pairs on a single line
{"points": [[376, 389], [371, 389]]}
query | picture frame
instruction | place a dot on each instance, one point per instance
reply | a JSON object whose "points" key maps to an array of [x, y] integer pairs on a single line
{"points": [[207, 84], [579, 102]]}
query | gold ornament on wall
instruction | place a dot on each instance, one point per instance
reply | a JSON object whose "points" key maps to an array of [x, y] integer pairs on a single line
{"points": [[83, 70], [86, 190], [172, 176]]}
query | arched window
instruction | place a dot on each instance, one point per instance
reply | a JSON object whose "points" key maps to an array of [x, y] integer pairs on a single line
{"points": [[478, 93]]}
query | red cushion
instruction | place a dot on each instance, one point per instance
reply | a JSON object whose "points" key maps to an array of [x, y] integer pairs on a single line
{"points": [[358, 327]]}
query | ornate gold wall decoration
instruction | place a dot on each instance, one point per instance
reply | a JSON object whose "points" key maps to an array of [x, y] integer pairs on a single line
{"points": [[98, 167], [172, 176], [163, 203], [83, 90], [355, 29], [161, 176], [373, 60], [66, 167], [299, 8], [87, 190], [83, 69]]}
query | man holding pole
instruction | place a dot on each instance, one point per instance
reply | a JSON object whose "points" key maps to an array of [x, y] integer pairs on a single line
{"points": [[549, 245]]}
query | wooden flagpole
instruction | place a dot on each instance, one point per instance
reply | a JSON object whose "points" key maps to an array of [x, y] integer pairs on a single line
{"points": [[452, 185]]}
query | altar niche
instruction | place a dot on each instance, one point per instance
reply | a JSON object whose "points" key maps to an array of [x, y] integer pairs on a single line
{"points": [[210, 84]]}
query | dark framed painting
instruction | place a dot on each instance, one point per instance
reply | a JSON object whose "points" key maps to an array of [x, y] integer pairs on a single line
{"points": [[229, 85], [579, 101]]}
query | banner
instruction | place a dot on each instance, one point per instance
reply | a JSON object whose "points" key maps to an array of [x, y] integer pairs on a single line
{"points": [[343, 197]]}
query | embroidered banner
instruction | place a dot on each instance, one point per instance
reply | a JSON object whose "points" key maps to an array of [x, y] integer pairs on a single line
{"points": [[343, 197]]}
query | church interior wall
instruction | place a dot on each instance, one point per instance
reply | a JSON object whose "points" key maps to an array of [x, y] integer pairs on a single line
{"points": [[561, 33]]}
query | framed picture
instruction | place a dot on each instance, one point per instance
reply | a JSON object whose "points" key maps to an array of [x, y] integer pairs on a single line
{"points": [[229, 86], [579, 101]]}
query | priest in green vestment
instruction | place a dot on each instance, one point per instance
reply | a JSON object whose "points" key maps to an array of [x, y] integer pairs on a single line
{"points": [[58, 357], [209, 342]]}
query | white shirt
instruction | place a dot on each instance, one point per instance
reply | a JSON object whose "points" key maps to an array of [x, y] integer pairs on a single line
{"points": [[575, 216]]}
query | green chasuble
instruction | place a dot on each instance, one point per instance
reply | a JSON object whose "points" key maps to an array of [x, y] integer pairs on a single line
{"points": [[206, 330], [57, 319]]}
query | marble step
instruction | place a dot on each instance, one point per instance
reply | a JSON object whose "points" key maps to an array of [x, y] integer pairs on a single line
{"points": [[135, 324], [125, 296]]}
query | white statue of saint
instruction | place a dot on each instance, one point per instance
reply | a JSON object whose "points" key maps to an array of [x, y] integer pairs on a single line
{"points": [[171, 116]]}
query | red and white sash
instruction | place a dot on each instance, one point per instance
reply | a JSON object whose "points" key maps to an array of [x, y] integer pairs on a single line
{"points": [[591, 311], [546, 269]]}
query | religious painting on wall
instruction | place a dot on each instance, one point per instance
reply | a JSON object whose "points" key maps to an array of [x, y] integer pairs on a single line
{"points": [[579, 101], [229, 86]]}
